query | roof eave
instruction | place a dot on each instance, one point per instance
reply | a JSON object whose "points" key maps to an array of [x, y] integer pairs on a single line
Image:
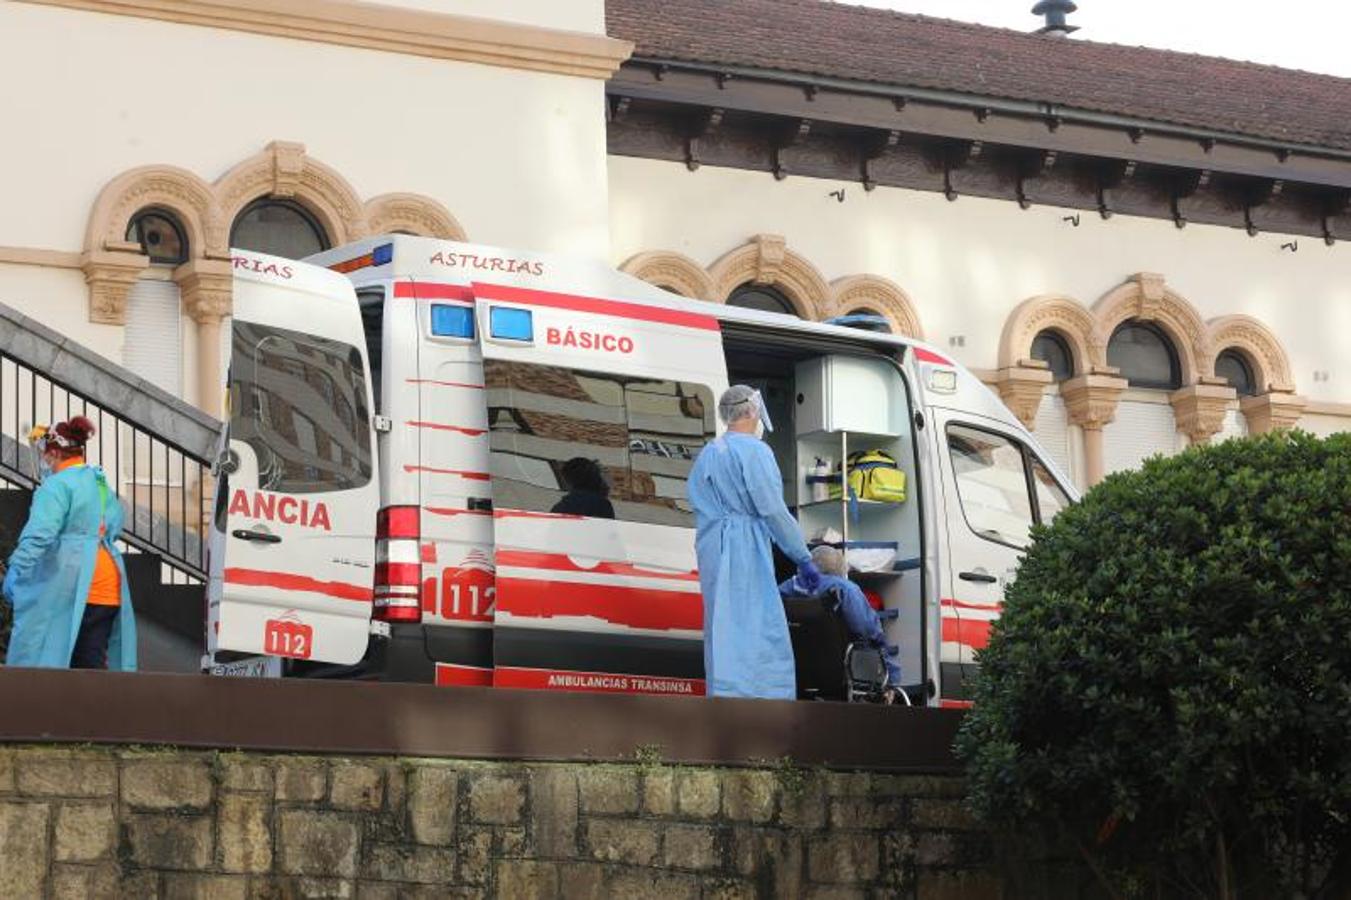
{"points": [[1007, 106]]}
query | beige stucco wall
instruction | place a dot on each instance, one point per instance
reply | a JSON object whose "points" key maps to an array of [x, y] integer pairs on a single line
{"points": [[516, 156], [58, 298], [967, 264], [109, 93]]}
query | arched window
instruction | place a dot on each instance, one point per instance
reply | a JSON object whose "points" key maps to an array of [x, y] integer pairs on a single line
{"points": [[160, 236], [1055, 351], [1233, 368], [758, 296], [280, 227], [1145, 356]]}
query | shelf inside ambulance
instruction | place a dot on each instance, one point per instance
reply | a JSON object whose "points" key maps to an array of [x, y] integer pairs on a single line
{"points": [[854, 436], [899, 567], [862, 504]]}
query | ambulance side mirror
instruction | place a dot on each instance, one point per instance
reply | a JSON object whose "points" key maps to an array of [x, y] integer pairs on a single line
{"points": [[226, 464]]}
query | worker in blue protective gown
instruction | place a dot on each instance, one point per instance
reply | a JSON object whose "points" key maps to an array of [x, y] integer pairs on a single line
{"points": [[737, 494], [65, 578]]}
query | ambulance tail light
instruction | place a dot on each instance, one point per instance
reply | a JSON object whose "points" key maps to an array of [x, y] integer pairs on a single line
{"points": [[398, 566]]}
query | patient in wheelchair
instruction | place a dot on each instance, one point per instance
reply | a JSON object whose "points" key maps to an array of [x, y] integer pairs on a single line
{"points": [[852, 607]]}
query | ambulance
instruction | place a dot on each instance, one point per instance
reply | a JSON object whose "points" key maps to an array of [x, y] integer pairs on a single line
{"points": [[466, 465]]}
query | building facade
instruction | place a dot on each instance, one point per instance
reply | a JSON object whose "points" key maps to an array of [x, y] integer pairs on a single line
{"points": [[1137, 249]]}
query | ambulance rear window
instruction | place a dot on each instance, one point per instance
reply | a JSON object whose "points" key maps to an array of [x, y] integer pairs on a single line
{"points": [[299, 401]]}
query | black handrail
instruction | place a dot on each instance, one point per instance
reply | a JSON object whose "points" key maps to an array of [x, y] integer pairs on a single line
{"points": [[164, 487]]}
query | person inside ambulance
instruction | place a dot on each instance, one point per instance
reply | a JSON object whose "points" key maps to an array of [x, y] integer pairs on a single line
{"points": [[588, 493], [847, 601], [737, 494], [65, 578]]}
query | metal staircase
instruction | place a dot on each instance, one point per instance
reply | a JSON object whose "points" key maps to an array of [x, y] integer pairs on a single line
{"points": [[155, 449]]}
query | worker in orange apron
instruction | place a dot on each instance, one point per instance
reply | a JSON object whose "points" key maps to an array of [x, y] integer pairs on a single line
{"points": [[66, 580]]}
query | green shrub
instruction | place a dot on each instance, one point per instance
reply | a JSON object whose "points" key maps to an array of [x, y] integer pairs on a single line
{"points": [[1169, 687]]}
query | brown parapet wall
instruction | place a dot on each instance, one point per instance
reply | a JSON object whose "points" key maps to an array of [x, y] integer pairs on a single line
{"points": [[357, 718]]}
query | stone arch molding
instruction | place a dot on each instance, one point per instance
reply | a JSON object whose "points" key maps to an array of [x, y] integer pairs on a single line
{"points": [[190, 198], [1091, 395], [672, 271], [1259, 346], [1145, 296], [766, 260], [1022, 380], [412, 213], [284, 170], [1061, 314], [856, 291]]}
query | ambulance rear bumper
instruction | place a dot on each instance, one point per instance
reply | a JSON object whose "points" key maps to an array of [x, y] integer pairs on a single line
{"points": [[411, 652]]}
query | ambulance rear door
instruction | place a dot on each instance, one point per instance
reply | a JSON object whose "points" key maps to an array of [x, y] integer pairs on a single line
{"points": [[448, 465], [297, 493], [596, 409]]}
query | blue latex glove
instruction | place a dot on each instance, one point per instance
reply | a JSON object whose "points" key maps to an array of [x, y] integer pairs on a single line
{"points": [[809, 577]]}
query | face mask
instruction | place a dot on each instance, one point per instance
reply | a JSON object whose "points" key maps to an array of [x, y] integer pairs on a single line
{"points": [[44, 470], [760, 429]]}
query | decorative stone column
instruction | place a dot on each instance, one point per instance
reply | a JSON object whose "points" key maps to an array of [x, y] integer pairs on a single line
{"points": [[1022, 386], [1199, 408], [1276, 409], [110, 273], [205, 286], [1091, 399]]}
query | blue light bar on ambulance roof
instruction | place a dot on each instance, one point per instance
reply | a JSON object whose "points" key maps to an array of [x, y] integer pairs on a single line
{"points": [[862, 321], [380, 256], [511, 324], [452, 321]]}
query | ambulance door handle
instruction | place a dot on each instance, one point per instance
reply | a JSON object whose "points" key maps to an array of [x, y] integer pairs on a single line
{"points": [[245, 535], [980, 577]]}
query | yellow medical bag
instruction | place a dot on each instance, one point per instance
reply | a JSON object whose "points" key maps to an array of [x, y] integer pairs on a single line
{"points": [[873, 475]]}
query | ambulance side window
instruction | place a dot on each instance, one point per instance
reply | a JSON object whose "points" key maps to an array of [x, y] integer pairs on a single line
{"points": [[371, 300], [299, 401], [1003, 488], [592, 443], [1051, 497], [991, 476]]}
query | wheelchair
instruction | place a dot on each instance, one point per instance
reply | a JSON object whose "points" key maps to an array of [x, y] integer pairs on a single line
{"points": [[831, 665]]}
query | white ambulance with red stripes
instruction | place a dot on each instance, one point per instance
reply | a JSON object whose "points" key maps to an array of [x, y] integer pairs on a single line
{"points": [[466, 465]]}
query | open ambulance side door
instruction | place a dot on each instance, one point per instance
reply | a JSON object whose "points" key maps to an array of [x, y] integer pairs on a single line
{"points": [[596, 409], [293, 550]]}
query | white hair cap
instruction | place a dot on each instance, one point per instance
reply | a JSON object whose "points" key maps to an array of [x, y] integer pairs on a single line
{"points": [[741, 401], [829, 559]]}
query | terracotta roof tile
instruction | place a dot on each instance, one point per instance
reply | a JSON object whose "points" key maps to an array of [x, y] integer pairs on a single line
{"points": [[856, 43]]}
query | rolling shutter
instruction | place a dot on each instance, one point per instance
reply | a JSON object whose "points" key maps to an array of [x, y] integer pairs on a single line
{"points": [[1235, 425], [153, 344], [1052, 431], [1140, 430]]}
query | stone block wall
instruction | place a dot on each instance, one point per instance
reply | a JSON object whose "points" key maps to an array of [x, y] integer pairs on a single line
{"points": [[125, 822]]}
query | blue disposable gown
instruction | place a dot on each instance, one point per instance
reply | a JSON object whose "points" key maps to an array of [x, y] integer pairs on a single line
{"points": [[860, 618], [50, 570], [737, 495]]}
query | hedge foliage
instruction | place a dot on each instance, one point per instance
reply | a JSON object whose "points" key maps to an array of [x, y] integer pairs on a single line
{"points": [[1169, 686]]}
